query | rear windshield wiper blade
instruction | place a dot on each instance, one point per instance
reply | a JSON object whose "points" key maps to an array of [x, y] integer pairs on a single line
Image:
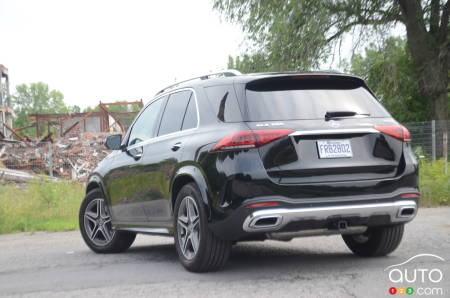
{"points": [[337, 114]]}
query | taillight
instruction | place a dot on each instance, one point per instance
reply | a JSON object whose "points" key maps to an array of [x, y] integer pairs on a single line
{"points": [[250, 139], [397, 131]]}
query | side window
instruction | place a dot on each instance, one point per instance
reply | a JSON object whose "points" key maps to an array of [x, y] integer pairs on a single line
{"points": [[224, 103], [190, 117], [174, 112], [144, 127]]}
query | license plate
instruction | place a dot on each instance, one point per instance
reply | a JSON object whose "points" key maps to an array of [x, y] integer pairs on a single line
{"points": [[334, 149]]}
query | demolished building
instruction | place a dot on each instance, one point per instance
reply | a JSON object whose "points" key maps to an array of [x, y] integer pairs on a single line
{"points": [[6, 112], [102, 120], [70, 153]]}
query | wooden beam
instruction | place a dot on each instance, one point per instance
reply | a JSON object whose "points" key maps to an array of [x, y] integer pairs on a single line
{"points": [[37, 127], [15, 133], [76, 123], [122, 103], [105, 109], [25, 127], [125, 113]]}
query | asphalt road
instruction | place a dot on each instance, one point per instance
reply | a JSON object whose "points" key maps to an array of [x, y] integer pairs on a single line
{"points": [[60, 265]]}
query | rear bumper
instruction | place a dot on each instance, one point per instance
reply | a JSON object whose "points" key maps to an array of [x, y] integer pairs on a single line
{"points": [[307, 218], [271, 220]]}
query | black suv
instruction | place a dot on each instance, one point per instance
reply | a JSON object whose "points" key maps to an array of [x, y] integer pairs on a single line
{"points": [[228, 157]]}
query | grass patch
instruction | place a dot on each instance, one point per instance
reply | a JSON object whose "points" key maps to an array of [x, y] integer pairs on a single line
{"points": [[40, 206], [434, 184], [53, 206]]}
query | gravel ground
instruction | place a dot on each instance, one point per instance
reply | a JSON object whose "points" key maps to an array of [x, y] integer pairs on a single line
{"points": [[60, 265]]}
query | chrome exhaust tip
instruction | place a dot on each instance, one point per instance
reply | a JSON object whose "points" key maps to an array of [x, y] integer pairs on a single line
{"points": [[265, 222], [407, 211]]}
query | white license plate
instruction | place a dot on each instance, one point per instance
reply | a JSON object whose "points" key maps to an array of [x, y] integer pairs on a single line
{"points": [[334, 149]]}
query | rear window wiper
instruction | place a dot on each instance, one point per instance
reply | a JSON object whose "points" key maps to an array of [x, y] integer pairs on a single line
{"points": [[337, 114]]}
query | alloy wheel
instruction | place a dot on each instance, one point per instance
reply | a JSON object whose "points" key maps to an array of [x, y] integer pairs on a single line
{"points": [[188, 227], [97, 222]]}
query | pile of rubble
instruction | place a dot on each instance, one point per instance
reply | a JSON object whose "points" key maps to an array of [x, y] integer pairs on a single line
{"points": [[72, 157]]}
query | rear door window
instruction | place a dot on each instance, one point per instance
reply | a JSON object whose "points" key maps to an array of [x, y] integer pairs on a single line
{"points": [[286, 102], [190, 117], [224, 103], [172, 118]]}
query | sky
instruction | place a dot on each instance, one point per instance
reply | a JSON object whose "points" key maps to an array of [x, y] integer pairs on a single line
{"points": [[111, 50]]}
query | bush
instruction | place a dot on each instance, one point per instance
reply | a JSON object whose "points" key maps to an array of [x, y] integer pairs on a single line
{"points": [[434, 183]]}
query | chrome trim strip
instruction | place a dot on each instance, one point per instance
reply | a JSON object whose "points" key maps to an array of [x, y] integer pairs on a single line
{"points": [[286, 236], [321, 213], [333, 131], [166, 136], [156, 231]]}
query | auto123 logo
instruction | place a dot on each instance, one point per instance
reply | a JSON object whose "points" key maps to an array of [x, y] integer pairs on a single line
{"points": [[419, 275]]}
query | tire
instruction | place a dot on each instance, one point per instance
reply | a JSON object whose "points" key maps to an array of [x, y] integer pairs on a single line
{"points": [[202, 254], [96, 228], [376, 241]]}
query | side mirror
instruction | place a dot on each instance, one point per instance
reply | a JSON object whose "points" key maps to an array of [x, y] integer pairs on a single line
{"points": [[113, 142]]}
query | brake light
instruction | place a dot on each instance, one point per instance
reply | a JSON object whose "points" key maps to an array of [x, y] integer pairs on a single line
{"points": [[250, 139], [397, 131]]}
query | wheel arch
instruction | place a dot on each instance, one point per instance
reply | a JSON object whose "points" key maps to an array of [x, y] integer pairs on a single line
{"points": [[185, 175], [94, 182], [92, 185]]}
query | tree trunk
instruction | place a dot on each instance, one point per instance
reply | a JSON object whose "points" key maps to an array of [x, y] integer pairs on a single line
{"points": [[440, 106], [430, 53], [430, 56], [439, 112]]}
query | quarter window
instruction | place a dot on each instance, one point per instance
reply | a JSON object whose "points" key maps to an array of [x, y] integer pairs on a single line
{"points": [[224, 103]]}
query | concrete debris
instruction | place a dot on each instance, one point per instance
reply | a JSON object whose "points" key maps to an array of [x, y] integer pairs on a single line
{"points": [[8, 175], [73, 157]]}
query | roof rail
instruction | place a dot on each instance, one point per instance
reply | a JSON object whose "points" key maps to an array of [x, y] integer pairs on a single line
{"points": [[225, 73]]}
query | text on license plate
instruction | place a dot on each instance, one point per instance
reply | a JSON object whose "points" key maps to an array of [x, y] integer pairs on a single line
{"points": [[334, 149]]}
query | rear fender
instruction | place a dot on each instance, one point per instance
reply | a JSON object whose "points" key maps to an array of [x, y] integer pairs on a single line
{"points": [[196, 175]]}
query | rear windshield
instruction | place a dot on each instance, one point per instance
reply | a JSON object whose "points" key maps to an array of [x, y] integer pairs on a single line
{"points": [[264, 104]]}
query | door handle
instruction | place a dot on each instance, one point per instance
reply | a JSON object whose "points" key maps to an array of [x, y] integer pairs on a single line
{"points": [[176, 146], [136, 153]]}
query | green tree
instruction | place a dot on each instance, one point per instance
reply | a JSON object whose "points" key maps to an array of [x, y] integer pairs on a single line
{"points": [[300, 34], [36, 98], [74, 109], [388, 70], [249, 64]]}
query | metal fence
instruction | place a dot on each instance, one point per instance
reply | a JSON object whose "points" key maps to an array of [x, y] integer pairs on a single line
{"points": [[430, 139]]}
